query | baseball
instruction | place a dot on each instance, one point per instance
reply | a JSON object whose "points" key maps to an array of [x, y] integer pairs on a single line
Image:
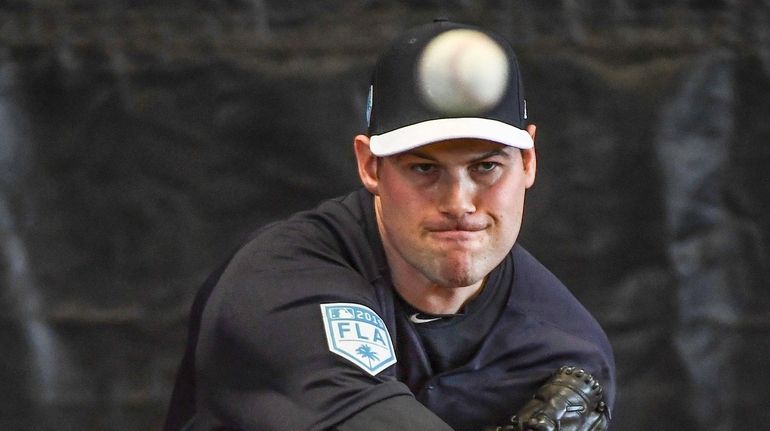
{"points": [[462, 71]]}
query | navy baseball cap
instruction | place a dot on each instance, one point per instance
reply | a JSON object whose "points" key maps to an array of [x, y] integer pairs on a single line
{"points": [[409, 107]]}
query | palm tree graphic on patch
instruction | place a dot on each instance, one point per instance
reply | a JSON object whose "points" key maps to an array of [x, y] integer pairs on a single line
{"points": [[367, 353]]}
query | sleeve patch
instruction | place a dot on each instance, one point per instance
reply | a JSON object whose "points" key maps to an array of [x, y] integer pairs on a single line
{"points": [[359, 335]]}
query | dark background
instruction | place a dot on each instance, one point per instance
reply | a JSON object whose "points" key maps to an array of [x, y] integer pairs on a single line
{"points": [[140, 141]]}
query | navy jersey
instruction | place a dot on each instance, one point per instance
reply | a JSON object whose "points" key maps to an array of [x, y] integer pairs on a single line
{"points": [[302, 329]]}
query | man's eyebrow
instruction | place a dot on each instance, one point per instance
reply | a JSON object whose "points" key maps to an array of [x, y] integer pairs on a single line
{"points": [[493, 153], [416, 153], [496, 152]]}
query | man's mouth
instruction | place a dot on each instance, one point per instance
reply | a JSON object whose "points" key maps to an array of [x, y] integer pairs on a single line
{"points": [[464, 226], [457, 232]]}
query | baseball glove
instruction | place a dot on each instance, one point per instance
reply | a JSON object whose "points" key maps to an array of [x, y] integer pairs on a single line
{"points": [[571, 400]]}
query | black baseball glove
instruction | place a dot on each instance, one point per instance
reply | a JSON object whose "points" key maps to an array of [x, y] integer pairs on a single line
{"points": [[571, 400]]}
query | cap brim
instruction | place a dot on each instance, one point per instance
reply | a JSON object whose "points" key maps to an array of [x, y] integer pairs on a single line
{"points": [[428, 132]]}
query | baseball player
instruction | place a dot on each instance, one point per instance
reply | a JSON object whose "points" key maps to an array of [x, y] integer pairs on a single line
{"points": [[407, 304]]}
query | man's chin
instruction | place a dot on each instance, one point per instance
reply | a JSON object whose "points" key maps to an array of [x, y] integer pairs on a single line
{"points": [[458, 279], [464, 270]]}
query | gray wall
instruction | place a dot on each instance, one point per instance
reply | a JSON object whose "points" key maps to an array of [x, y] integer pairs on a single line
{"points": [[141, 141]]}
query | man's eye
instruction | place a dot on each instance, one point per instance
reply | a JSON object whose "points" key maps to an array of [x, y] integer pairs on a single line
{"points": [[423, 168], [486, 167]]}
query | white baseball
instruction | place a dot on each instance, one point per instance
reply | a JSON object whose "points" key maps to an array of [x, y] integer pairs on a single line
{"points": [[462, 71]]}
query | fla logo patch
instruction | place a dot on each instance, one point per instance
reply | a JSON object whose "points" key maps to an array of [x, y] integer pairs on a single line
{"points": [[357, 333]]}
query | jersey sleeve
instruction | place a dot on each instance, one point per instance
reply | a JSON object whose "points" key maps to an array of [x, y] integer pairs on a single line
{"points": [[265, 358], [396, 413]]}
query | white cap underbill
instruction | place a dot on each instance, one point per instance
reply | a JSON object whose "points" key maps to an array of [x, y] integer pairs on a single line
{"points": [[427, 132]]}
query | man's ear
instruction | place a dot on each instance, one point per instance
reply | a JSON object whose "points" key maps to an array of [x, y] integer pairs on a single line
{"points": [[367, 163], [529, 158], [532, 130]]}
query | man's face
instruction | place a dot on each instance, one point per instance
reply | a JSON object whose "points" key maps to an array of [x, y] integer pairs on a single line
{"points": [[449, 212]]}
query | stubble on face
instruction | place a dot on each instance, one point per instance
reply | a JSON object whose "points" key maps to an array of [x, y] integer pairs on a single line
{"points": [[451, 259]]}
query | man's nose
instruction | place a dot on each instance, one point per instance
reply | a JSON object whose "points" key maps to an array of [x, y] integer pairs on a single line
{"points": [[457, 196]]}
